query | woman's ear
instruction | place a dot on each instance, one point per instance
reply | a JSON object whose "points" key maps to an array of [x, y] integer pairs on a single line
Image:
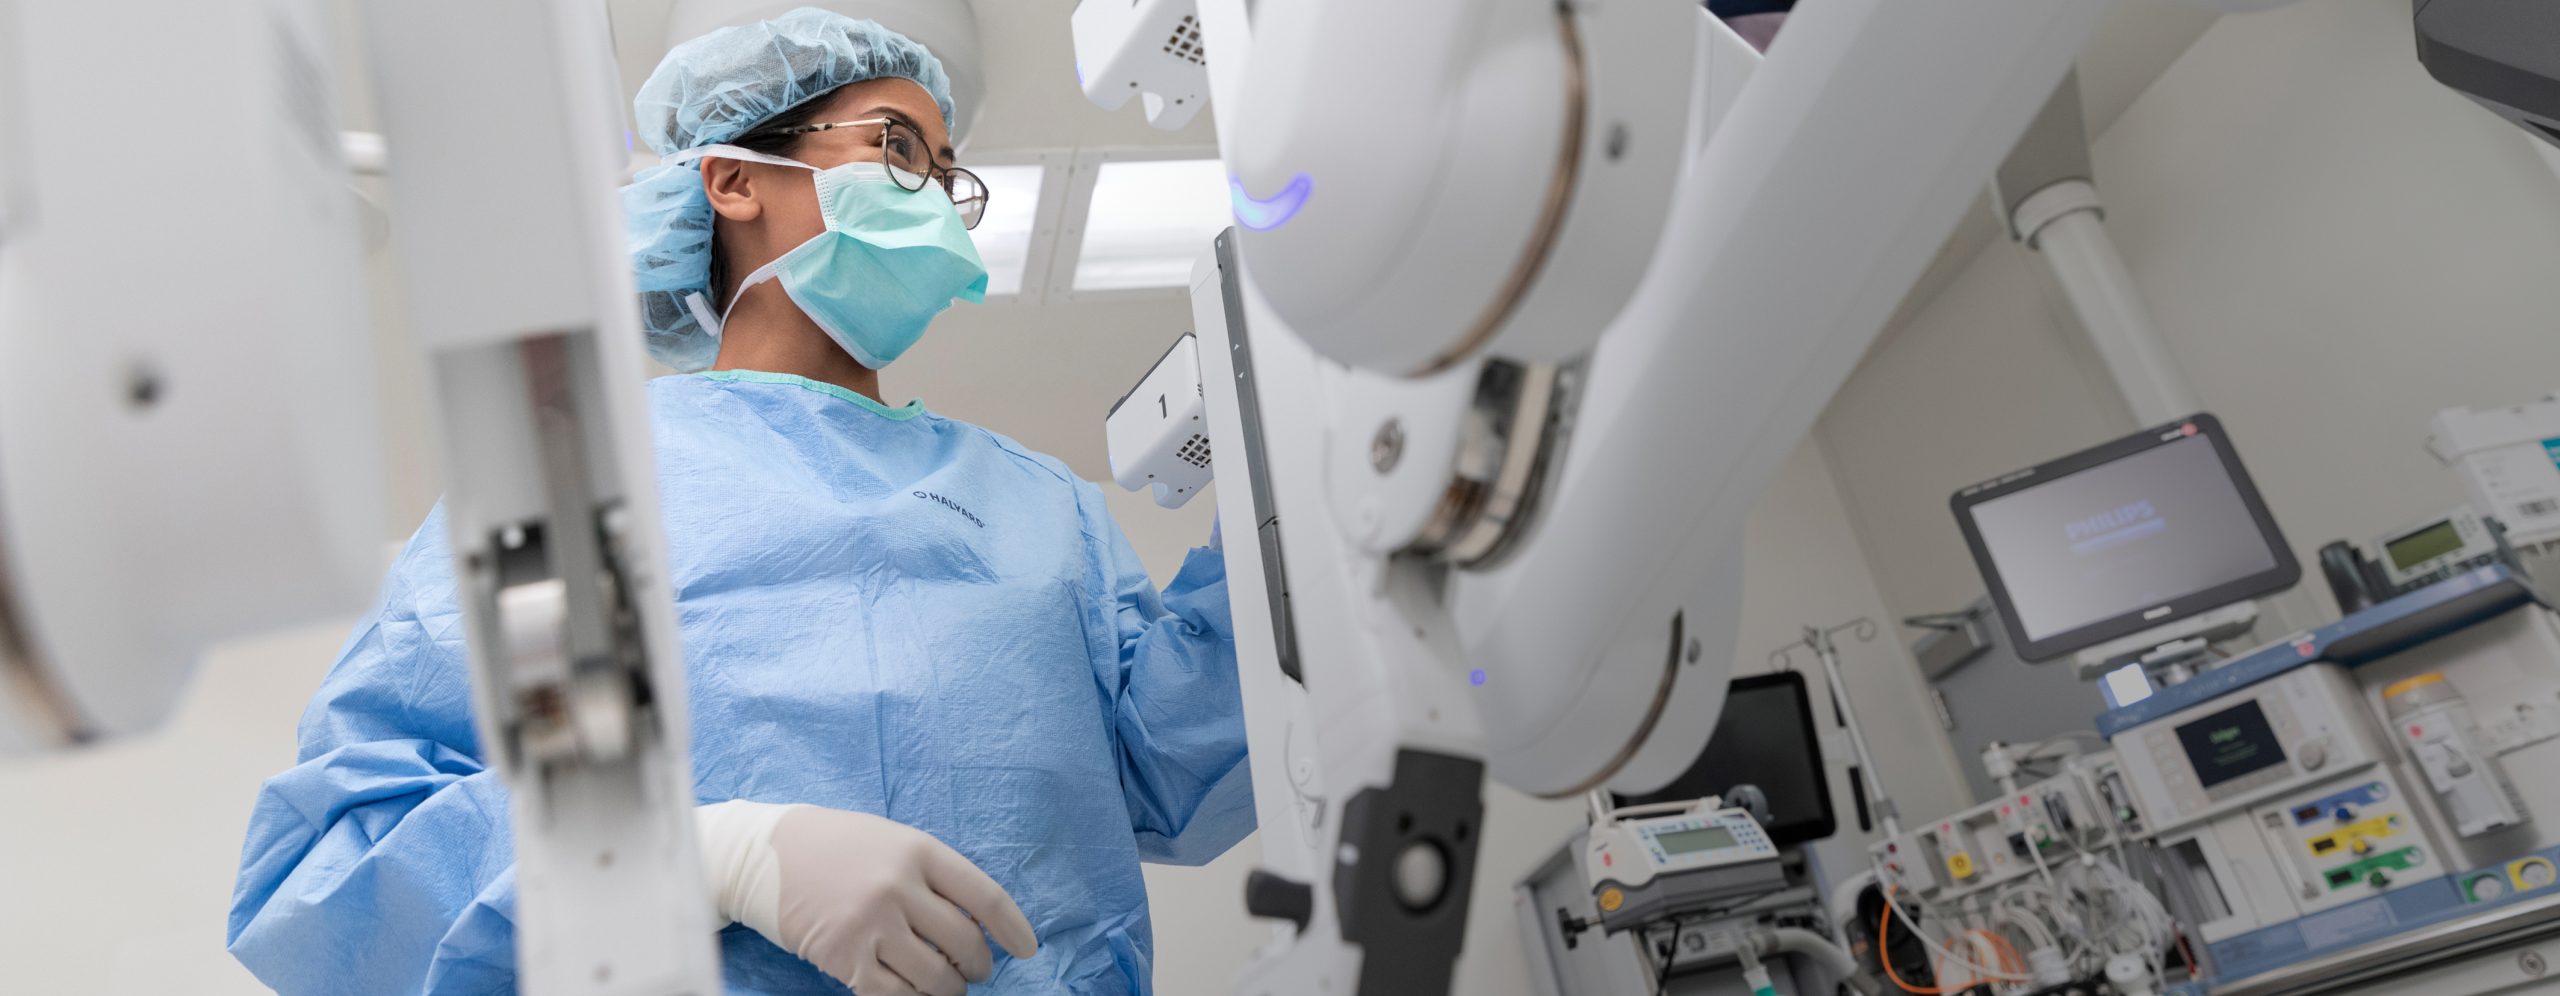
{"points": [[732, 193]]}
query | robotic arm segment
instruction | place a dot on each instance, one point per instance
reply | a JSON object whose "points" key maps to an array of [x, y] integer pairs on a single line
{"points": [[1812, 210], [1442, 134], [185, 455], [1152, 50], [534, 342]]}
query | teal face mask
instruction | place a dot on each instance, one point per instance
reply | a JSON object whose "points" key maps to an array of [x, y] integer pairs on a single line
{"points": [[889, 261]]}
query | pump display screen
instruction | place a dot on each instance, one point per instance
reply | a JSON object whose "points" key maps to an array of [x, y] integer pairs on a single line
{"points": [[2424, 545], [2230, 743], [1689, 841]]}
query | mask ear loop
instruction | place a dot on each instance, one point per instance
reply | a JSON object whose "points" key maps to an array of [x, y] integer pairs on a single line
{"points": [[733, 152], [697, 302]]}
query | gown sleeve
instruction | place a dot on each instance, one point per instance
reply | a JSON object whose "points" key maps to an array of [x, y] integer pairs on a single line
{"points": [[1176, 707], [381, 862]]}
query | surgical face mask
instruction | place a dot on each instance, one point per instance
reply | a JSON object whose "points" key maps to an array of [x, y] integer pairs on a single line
{"points": [[889, 261]]}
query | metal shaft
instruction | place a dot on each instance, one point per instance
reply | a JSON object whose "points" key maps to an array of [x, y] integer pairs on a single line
{"points": [[1820, 641]]}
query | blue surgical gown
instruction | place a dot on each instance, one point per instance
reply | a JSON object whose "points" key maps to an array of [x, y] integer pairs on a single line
{"points": [[882, 610]]}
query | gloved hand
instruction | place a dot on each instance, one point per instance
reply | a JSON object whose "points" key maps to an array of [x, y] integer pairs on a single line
{"points": [[881, 906]]}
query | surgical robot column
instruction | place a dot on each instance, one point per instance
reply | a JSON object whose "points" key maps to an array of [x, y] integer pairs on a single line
{"points": [[578, 685], [164, 493]]}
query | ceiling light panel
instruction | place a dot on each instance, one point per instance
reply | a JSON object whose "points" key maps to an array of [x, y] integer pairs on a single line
{"points": [[1148, 221], [1004, 235]]}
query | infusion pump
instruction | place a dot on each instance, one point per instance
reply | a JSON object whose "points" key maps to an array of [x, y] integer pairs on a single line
{"points": [[1666, 859]]}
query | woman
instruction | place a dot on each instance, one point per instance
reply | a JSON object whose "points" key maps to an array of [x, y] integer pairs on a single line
{"points": [[929, 679]]}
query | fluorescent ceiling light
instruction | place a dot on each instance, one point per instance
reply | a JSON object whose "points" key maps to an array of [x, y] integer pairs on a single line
{"points": [[1149, 221], [1004, 235]]}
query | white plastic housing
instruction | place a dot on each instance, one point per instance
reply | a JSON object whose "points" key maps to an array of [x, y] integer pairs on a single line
{"points": [[188, 445], [1383, 511], [534, 340], [1380, 511], [1150, 49], [1159, 440], [2510, 473], [1391, 201], [2435, 725]]}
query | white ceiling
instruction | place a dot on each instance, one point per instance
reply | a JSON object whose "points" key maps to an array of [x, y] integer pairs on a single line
{"points": [[2135, 42], [1033, 102], [1036, 112]]}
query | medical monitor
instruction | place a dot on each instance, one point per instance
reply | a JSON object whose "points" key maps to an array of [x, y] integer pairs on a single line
{"points": [[1764, 738], [2140, 532]]}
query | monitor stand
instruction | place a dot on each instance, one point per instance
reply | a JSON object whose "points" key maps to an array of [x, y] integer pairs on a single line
{"points": [[2175, 652]]}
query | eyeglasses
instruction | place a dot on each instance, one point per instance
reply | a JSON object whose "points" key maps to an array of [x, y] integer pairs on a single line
{"points": [[909, 163]]}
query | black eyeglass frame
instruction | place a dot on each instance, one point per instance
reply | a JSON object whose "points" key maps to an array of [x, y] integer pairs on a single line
{"points": [[953, 179]]}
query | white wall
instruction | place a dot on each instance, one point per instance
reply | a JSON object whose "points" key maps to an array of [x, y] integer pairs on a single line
{"points": [[2334, 246], [1804, 568]]}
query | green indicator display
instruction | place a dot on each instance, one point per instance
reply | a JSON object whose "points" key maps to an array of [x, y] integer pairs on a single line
{"points": [[2374, 871], [2230, 743], [1690, 841], [2424, 545]]}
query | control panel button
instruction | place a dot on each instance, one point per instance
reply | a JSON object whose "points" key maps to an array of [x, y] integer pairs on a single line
{"points": [[2314, 755]]}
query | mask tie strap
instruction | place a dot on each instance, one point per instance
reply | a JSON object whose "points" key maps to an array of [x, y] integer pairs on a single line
{"points": [[701, 306], [697, 302]]}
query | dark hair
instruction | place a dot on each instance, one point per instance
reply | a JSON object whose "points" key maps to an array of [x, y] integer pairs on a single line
{"points": [[766, 137]]}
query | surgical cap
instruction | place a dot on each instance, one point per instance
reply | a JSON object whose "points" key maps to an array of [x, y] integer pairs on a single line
{"points": [[712, 90]]}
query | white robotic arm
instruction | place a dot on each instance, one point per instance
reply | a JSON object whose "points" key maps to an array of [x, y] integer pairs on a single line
{"points": [[1793, 235], [1809, 214], [188, 450], [1421, 184], [510, 235], [1513, 530]]}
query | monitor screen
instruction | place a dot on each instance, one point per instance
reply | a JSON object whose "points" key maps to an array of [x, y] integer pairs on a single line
{"points": [[2230, 743], [2122, 537], [1765, 738], [2137, 533]]}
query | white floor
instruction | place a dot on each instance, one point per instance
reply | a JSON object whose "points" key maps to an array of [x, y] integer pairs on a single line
{"points": [[117, 863]]}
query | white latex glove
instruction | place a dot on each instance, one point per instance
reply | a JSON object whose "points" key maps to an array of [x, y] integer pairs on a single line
{"points": [[881, 906]]}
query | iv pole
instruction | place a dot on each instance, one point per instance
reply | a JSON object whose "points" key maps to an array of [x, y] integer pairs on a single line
{"points": [[1820, 641]]}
